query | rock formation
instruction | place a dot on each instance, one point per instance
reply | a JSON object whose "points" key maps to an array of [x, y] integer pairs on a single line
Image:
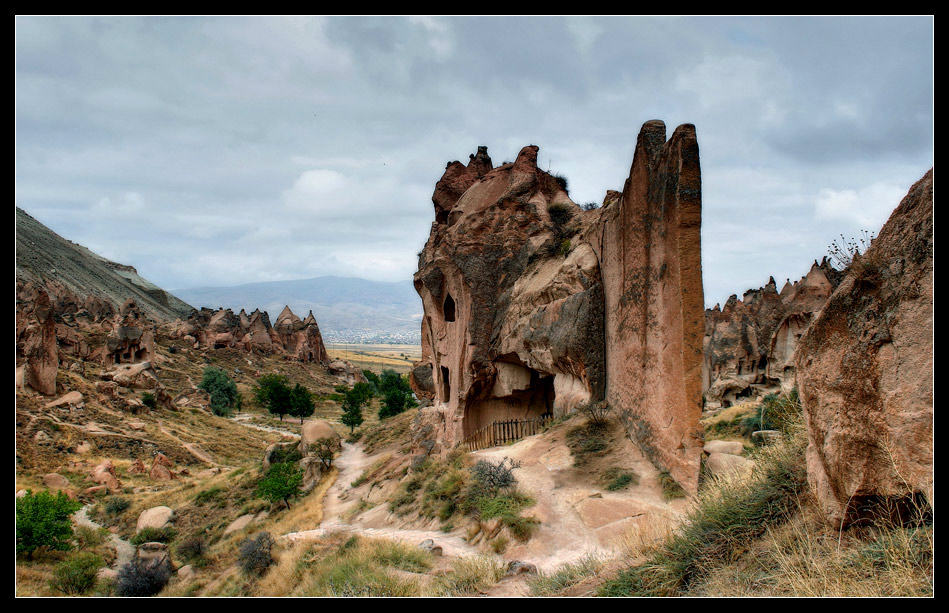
{"points": [[36, 345], [132, 339], [534, 307], [865, 371], [299, 339], [749, 344]]}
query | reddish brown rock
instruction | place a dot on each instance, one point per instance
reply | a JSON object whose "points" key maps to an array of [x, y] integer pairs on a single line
{"points": [[865, 371], [104, 474], [36, 345], [137, 467], [652, 276], [534, 307], [132, 339], [161, 468]]}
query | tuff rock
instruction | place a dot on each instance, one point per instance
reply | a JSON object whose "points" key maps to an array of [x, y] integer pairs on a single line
{"points": [[865, 372], [534, 307]]}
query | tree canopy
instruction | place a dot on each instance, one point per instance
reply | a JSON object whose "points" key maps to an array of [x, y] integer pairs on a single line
{"points": [[274, 392], [43, 520], [223, 391]]}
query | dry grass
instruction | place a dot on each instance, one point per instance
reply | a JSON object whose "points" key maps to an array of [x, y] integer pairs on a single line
{"points": [[642, 540], [307, 512], [376, 357]]}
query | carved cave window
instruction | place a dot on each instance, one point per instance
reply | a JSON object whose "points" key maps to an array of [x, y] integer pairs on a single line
{"points": [[446, 385], [449, 308]]}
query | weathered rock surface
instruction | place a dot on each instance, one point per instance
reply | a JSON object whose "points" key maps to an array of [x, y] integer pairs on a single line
{"points": [[534, 307], [732, 447], [865, 370], [314, 430], [155, 517], [727, 464], [104, 474], [299, 339], [36, 345], [749, 343]]}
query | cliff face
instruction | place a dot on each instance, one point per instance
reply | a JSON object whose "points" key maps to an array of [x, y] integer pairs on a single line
{"points": [[865, 371], [750, 343], [534, 307]]}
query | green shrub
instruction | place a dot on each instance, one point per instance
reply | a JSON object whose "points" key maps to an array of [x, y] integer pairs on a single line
{"points": [[206, 496], [192, 549], [43, 520], [117, 505], [148, 399], [153, 535], [282, 482], [617, 479], [588, 441], [88, 536], [223, 391], [76, 575], [568, 575]]}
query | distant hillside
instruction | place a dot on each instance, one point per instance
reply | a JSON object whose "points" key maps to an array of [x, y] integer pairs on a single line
{"points": [[42, 255], [347, 309]]}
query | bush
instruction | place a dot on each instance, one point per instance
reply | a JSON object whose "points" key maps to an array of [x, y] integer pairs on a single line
{"points": [[560, 214], [87, 536], [254, 554], [153, 535], [617, 479], [192, 549], [493, 477], [562, 181], [142, 578], [301, 402], [282, 482], [116, 505], [77, 575], [148, 399], [43, 520], [223, 391]]}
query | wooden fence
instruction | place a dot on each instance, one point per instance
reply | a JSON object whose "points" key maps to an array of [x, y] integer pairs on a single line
{"points": [[501, 432]]}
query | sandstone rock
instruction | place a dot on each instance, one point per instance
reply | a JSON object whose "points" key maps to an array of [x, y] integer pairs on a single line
{"points": [[516, 567], [137, 467], [134, 424], [84, 447], [161, 469], [314, 430], [345, 371], [36, 345], [20, 493], [41, 437], [96, 490], [240, 523], [186, 572], [104, 474], [132, 338], [313, 469], [55, 481], [107, 574], [430, 546], [155, 517], [530, 302], [726, 464], [865, 371], [136, 376], [208, 473], [732, 447], [107, 389]]}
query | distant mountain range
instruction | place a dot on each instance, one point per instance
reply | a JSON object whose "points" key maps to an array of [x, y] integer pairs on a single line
{"points": [[348, 309]]}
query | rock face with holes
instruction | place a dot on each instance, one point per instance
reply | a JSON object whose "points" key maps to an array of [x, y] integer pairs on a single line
{"points": [[865, 371], [299, 339], [750, 342], [536, 307]]}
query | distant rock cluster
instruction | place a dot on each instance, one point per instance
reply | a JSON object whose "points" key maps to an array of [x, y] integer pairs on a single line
{"points": [[749, 343], [299, 339]]}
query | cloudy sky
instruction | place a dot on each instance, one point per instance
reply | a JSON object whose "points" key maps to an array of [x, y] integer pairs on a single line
{"points": [[219, 151]]}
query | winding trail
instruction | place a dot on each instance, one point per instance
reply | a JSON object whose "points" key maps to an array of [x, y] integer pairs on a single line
{"points": [[243, 420], [124, 549], [350, 463]]}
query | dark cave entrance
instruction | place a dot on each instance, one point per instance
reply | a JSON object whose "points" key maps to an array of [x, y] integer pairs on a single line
{"points": [[448, 309], [537, 400]]}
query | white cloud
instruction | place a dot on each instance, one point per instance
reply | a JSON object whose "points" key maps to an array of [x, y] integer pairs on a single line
{"points": [[867, 207]]}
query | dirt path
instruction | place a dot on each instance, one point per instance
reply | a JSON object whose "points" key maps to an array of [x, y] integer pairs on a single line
{"points": [[244, 421], [350, 463], [124, 549]]}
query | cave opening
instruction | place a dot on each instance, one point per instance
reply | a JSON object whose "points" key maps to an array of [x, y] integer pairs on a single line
{"points": [[449, 308], [446, 385], [534, 401]]}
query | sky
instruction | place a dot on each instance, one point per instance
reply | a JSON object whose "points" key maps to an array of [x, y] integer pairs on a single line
{"points": [[220, 151]]}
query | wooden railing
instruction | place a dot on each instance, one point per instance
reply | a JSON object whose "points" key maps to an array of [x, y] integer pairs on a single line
{"points": [[501, 432]]}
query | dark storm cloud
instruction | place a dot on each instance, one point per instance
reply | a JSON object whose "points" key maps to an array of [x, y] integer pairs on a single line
{"points": [[227, 150]]}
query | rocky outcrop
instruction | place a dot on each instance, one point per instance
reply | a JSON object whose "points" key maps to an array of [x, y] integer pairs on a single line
{"points": [[865, 371], [36, 345], [534, 307], [749, 343], [132, 338], [299, 339]]}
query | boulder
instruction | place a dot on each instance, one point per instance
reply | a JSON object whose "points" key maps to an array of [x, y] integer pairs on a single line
{"points": [[240, 523], [104, 474], [732, 447], [55, 481], [430, 546], [155, 517], [314, 430], [726, 464], [865, 372], [72, 400], [152, 555]]}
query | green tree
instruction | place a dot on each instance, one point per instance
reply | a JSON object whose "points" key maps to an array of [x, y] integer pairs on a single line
{"points": [[43, 520], [301, 402], [274, 392], [223, 391], [282, 482], [353, 403], [394, 403]]}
